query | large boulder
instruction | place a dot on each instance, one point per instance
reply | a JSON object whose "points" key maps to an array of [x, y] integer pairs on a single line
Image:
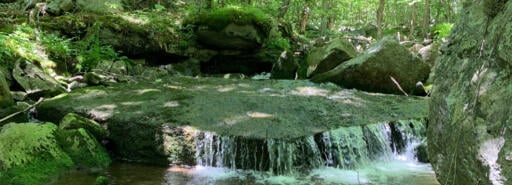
{"points": [[152, 121], [469, 133], [5, 94], [286, 67], [30, 153], [59, 7], [372, 70], [324, 58], [83, 148], [232, 28], [35, 81]]}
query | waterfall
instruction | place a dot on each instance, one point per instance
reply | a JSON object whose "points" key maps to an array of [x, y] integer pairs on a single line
{"points": [[345, 148]]}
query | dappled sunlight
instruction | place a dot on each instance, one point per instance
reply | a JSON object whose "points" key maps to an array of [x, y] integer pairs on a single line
{"points": [[132, 103], [234, 120], [173, 87], [172, 104], [259, 115], [135, 20], [144, 91], [225, 89], [309, 91], [103, 112], [91, 94]]}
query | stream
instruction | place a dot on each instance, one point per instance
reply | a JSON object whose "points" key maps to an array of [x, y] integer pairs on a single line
{"points": [[343, 158]]}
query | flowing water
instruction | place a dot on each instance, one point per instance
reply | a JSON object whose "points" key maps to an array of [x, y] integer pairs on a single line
{"points": [[373, 154]]}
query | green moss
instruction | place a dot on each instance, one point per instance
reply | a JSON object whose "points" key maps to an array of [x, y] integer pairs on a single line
{"points": [[34, 156], [83, 148], [75, 121], [220, 18]]}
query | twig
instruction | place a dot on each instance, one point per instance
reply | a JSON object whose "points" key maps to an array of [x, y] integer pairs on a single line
{"points": [[21, 111], [398, 85]]}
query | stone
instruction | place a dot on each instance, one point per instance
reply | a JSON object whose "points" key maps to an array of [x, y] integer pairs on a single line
{"points": [[35, 81], [60, 7], [30, 153], [430, 53], [372, 70], [324, 58], [83, 148], [233, 37], [421, 153], [469, 132], [93, 78], [73, 121], [6, 98], [143, 118], [286, 67]]}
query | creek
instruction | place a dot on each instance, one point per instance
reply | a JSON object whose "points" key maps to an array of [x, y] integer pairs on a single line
{"points": [[380, 153]]}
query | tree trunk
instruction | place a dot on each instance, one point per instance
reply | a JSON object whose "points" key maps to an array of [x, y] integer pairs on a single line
{"points": [[413, 21], [305, 16], [284, 9], [323, 23], [380, 16], [426, 20], [331, 19]]}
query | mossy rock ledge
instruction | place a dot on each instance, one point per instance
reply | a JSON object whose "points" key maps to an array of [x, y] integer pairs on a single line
{"points": [[154, 122], [469, 133]]}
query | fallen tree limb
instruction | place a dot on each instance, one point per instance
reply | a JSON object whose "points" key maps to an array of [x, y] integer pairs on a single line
{"points": [[22, 111]]}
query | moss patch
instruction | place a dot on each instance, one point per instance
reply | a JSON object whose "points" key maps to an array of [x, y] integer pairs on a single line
{"points": [[220, 18], [83, 148], [33, 157]]}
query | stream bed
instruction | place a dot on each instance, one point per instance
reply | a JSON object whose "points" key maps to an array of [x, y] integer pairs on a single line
{"points": [[394, 172]]}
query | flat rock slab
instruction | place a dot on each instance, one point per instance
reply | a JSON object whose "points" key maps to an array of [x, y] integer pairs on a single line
{"points": [[278, 109]]}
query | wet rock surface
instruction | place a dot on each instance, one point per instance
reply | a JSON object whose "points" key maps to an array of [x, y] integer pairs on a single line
{"points": [[469, 130], [138, 113]]}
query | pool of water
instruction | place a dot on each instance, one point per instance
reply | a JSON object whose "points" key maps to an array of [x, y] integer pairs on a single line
{"points": [[396, 172]]}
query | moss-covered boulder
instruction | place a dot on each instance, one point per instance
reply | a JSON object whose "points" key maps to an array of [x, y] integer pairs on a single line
{"points": [[373, 69], [148, 120], [324, 58], [35, 81], [470, 122], [59, 7], [155, 36], [83, 148], [30, 153], [5, 94], [234, 28], [73, 121]]}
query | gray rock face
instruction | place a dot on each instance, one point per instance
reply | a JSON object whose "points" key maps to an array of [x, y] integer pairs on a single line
{"points": [[373, 69], [5, 94], [35, 82], [327, 57], [286, 67], [144, 119], [469, 134], [233, 36]]}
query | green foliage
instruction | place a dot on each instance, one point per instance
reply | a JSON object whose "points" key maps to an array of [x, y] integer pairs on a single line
{"points": [[101, 180], [159, 7], [278, 43], [30, 153], [443, 30], [220, 18], [48, 50], [92, 51]]}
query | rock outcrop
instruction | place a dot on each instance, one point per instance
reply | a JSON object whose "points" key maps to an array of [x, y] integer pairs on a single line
{"points": [[372, 70], [324, 58], [35, 81], [469, 132], [145, 119]]}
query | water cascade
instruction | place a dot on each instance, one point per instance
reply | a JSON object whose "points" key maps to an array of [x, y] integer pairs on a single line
{"points": [[344, 148]]}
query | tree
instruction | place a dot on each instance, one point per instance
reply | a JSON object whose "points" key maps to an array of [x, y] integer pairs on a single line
{"points": [[380, 15], [305, 15]]}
